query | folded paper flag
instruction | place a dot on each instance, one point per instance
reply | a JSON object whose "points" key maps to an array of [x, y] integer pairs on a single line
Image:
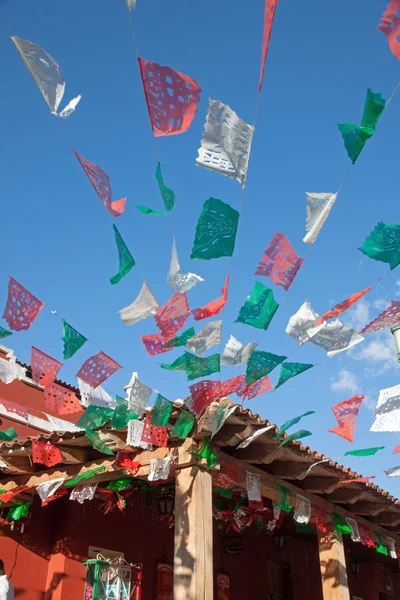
{"points": [[261, 363], [345, 413], [44, 368], [340, 525], [342, 306], [259, 308], [46, 454], [73, 340], [218, 417], [269, 15], [22, 307], [94, 396], [355, 535], [301, 325], [235, 353], [97, 369], [203, 393], [206, 338], [319, 206], [380, 547], [364, 451], [101, 185], [178, 281], [183, 425], [10, 370], [167, 195], [121, 416], [61, 400], [181, 340], [178, 365], [226, 144], [48, 488], [284, 499], [171, 97], [126, 260], [214, 307], [8, 434], [280, 262], [97, 443], [259, 387], [298, 435], [205, 452], [290, 370], [366, 536], [159, 468], [388, 318], [173, 315], [47, 76], [94, 417], [130, 4], [156, 343], [387, 412], [302, 513], [143, 307], [393, 472], [83, 492], [253, 487], [4, 332], [161, 412], [215, 231], [288, 424], [390, 26], [20, 511], [201, 367], [254, 436], [383, 244], [138, 395]]}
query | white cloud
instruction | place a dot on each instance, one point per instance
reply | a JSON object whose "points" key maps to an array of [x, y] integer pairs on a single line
{"points": [[345, 381], [380, 352], [382, 303], [358, 316], [398, 285]]}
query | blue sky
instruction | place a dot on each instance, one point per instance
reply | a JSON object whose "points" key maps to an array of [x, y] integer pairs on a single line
{"points": [[57, 239]]}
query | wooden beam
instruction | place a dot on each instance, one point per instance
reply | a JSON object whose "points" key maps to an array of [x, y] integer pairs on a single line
{"points": [[368, 508], [320, 485], [387, 519], [347, 496], [289, 470], [233, 434], [75, 456], [260, 453], [193, 557], [332, 562]]}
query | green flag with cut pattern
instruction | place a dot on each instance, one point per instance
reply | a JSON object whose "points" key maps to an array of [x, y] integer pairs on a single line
{"points": [[167, 195], [215, 231], [161, 411], [126, 260], [364, 451], [298, 435], [260, 364], [290, 370], [259, 308], [383, 244], [183, 425], [182, 339]]}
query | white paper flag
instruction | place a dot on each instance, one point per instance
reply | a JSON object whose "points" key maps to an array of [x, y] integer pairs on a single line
{"points": [[180, 282], [392, 548], [387, 412], [216, 420], [253, 487], [206, 338], [235, 353], [254, 436], [393, 472], [138, 395], [80, 493], [130, 4], [301, 325], [159, 468], [134, 435], [225, 147], [94, 396], [48, 488], [355, 534], [143, 307], [47, 75], [318, 208], [10, 370], [302, 513]]}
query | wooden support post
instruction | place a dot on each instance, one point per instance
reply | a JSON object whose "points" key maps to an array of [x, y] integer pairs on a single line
{"points": [[193, 562], [333, 565]]}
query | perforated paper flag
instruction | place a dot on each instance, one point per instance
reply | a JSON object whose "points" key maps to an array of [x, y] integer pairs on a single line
{"points": [[364, 451], [355, 136], [214, 307], [218, 417], [46, 454], [97, 369], [134, 435], [182, 339], [284, 499], [206, 338], [235, 353], [345, 413], [259, 308], [280, 262], [393, 472], [183, 425], [126, 260], [235, 385], [139, 395], [161, 411], [156, 344], [10, 370], [44, 367], [178, 281], [159, 468], [335, 338], [171, 97], [383, 244], [94, 417], [298, 435], [253, 487], [83, 492], [388, 318], [261, 363], [22, 307], [203, 393], [102, 186], [387, 412], [215, 231], [47, 75], [226, 144], [269, 15], [73, 340], [94, 396], [168, 197], [319, 206], [302, 513], [259, 387], [130, 4], [301, 325], [61, 400], [195, 366], [48, 488], [288, 424], [97, 443], [173, 315], [144, 306], [290, 370], [340, 308], [258, 433], [390, 26]]}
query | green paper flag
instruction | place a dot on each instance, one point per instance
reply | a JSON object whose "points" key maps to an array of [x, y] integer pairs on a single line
{"points": [[4, 332], [284, 499], [289, 370], [355, 136], [161, 411], [288, 424], [260, 364], [224, 492], [8, 434], [126, 260], [259, 308], [364, 452], [122, 415], [380, 546], [178, 365], [298, 435], [215, 231], [195, 366], [340, 524], [73, 340], [167, 194], [205, 452], [94, 417], [183, 425], [181, 340], [15, 513], [88, 475], [97, 443], [383, 244], [119, 484]]}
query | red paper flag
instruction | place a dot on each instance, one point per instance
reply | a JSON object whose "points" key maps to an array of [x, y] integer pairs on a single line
{"points": [[259, 387], [345, 413], [46, 454], [173, 315], [387, 318], [97, 369], [203, 393], [342, 306], [214, 307], [22, 307], [59, 494], [345, 430], [61, 400], [154, 344], [280, 262], [367, 539], [358, 480], [44, 367], [228, 477], [390, 26], [171, 97], [101, 184], [235, 385], [269, 15], [396, 450], [321, 519], [125, 461], [153, 434]]}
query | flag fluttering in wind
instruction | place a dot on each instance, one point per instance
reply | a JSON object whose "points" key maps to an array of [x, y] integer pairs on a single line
{"points": [[290, 370], [214, 307], [383, 244], [235, 353], [143, 307], [387, 318], [22, 307], [44, 368], [269, 15], [206, 338], [280, 261], [288, 424], [215, 231], [97, 369], [167, 195], [364, 451], [178, 281], [261, 363], [319, 206], [387, 411], [173, 315], [390, 26], [126, 260], [345, 413], [259, 308], [340, 308], [73, 340]]}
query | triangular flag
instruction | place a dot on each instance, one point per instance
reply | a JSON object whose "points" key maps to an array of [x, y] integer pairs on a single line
{"points": [[269, 15], [290, 370], [364, 451], [383, 244], [345, 413], [295, 436], [288, 424], [319, 206], [167, 194], [126, 260], [144, 306], [73, 340], [178, 281], [4, 332], [387, 318], [260, 364]]}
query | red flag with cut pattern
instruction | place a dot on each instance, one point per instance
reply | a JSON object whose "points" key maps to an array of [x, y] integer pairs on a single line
{"points": [[342, 306], [390, 26], [44, 367], [345, 413], [280, 261], [22, 307], [214, 307], [46, 454], [97, 369], [173, 315]]}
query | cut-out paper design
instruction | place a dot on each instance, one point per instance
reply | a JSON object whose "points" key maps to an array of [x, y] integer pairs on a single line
{"points": [[298, 435], [269, 15], [154, 434], [195, 366], [345, 413], [355, 136], [342, 306], [161, 412], [288, 424], [302, 513], [393, 472], [102, 186], [235, 353], [121, 416], [22, 307], [183, 425], [125, 461], [321, 518], [97, 443], [218, 417], [97, 369], [181, 340], [259, 308], [83, 492], [173, 315], [228, 477], [46, 454], [156, 343], [301, 325], [340, 525], [20, 511], [178, 281], [214, 307], [284, 500], [235, 385], [48, 488], [73, 340], [390, 26], [167, 195], [126, 260], [131, 4], [380, 546], [254, 436], [206, 338], [388, 318], [253, 487], [178, 365], [391, 547], [259, 387], [261, 363], [139, 395], [215, 231], [171, 97], [355, 534], [290, 370], [94, 417], [280, 262], [387, 412], [10, 370], [383, 244], [61, 400], [364, 451], [92, 396], [205, 452], [44, 368], [226, 144], [319, 206], [47, 75], [4, 332], [203, 393], [143, 307], [159, 468], [134, 435]]}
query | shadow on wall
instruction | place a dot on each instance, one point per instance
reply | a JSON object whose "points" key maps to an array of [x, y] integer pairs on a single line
{"points": [[184, 561], [332, 569]]}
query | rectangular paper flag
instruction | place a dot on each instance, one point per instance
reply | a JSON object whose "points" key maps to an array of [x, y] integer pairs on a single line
{"points": [[279, 261]]}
